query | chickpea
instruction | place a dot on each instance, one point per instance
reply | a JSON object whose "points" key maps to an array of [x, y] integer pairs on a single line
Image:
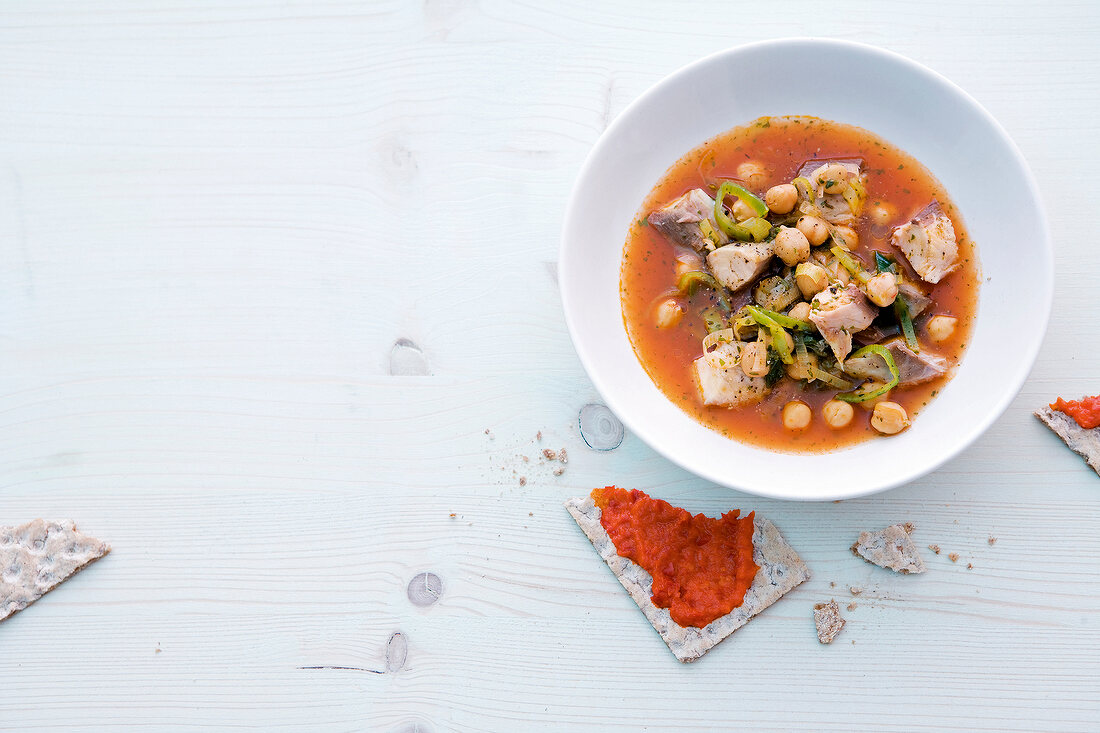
{"points": [[754, 359], [752, 173], [941, 328], [791, 246], [882, 213], [796, 415], [834, 177], [889, 418], [669, 313], [797, 371], [815, 230], [741, 210], [847, 235], [782, 198], [811, 279], [837, 414], [800, 311], [882, 289], [688, 263]]}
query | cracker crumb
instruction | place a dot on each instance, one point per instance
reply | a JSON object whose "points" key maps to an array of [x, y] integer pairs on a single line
{"points": [[550, 453], [828, 621], [530, 514], [559, 471], [934, 548], [969, 566], [453, 515], [854, 591], [953, 556], [525, 459], [908, 527], [486, 431], [832, 584], [538, 436], [522, 480], [562, 456], [992, 540], [852, 606]]}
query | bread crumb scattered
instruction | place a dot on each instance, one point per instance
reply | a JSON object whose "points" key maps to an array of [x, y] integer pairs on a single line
{"points": [[550, 454], [908, 527], [525, 459], [530, 514], [954, 556], [558, 471], [992, 540], [934, 548], [852, 606], [453, 515], [854, 591], [828, 621], [522, 480], [538, 436], [562, 456], [832, 584], [969, 566]]}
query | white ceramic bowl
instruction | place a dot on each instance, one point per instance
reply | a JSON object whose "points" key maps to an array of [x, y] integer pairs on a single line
{"points": [[911, 106]]}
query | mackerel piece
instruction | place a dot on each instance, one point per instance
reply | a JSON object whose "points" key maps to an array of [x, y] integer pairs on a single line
{"points": [[780, 571]]}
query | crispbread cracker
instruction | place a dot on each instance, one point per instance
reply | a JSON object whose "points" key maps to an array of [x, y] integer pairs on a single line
{"points": [[891, 548], [828, 620], [780, 570], [38, 556], [1080, 440]]}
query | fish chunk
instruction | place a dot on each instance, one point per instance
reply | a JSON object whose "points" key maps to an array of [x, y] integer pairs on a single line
{"points": [[839, 313], [833, 207], [928, 242], [721, 381], [679, 220], [914, 298], [913, 368], [738, 265]]}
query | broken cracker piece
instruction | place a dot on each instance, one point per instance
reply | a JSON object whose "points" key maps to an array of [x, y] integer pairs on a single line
{"points": [[780, 571], [38, 556], [1082, 441], [890, 548], [828, 621]]}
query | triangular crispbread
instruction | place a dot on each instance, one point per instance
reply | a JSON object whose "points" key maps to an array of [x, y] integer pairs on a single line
{"points": [[780, 571], [38, 556], [1083, 441]]}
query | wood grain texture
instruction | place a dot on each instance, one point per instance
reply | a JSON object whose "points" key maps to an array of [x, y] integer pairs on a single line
{"points": [[217, 219]]}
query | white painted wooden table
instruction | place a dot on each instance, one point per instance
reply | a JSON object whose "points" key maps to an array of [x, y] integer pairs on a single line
{"points": [[219, 224]]}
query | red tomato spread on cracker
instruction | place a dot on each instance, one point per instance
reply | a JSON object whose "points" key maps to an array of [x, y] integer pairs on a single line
{"points": [[701, 566], [1085, 411]]}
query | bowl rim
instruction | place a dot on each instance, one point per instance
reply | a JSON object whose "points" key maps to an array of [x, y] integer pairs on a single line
{"points": [[1025, 357]]}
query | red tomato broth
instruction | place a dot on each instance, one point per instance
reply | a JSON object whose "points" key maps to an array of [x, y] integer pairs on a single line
{"points": [[701, 567], [783, 145]]}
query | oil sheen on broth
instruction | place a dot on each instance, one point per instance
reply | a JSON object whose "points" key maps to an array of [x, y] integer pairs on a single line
{"points": [[897, 188]]}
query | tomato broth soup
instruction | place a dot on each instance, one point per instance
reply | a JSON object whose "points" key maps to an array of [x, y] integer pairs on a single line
{"points": [[836, 280]]}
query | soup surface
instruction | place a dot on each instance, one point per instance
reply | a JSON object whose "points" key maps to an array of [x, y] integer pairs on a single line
{"points": [[675, 290]]}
